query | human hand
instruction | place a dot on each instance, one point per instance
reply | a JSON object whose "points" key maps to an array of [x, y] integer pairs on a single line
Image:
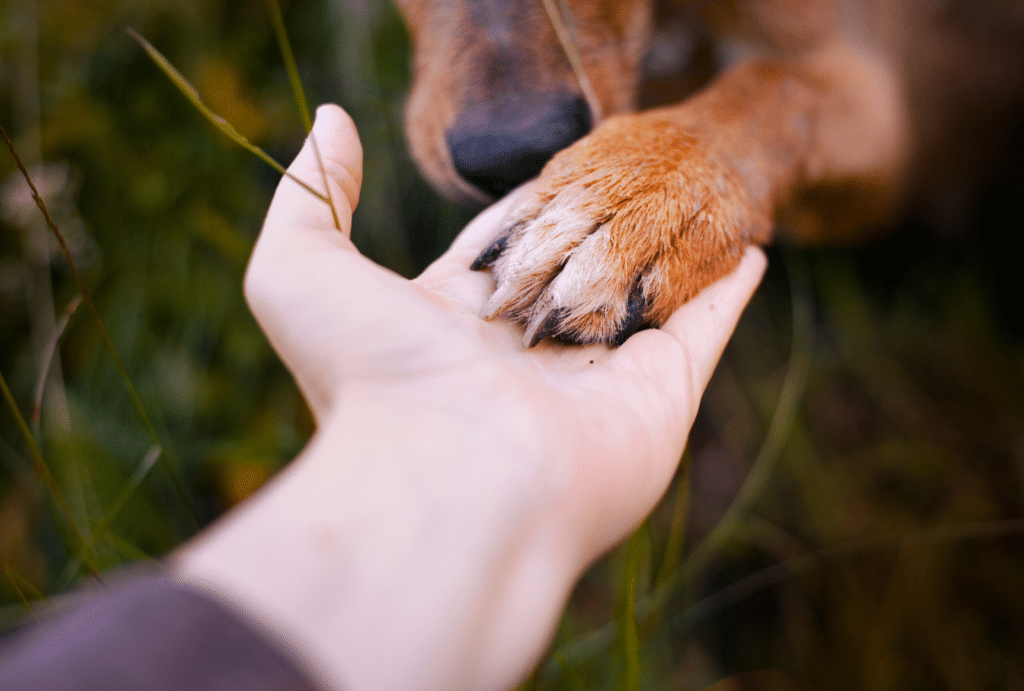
{"points": [[458, 484]]}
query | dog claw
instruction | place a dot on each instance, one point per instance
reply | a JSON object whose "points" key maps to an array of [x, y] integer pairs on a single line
{"points": [[542, 326], [500, 302], [636, 308], [490, 254]]}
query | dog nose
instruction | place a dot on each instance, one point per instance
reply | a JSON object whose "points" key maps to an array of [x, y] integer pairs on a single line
{"points": [[496, 151]]}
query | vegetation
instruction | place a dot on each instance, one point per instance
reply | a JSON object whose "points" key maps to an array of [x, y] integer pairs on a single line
{"points": [[877, 392]]}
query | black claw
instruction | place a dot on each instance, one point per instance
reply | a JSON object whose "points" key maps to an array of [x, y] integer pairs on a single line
{"points": [[491, 254], [547, 327], [635, 312]]}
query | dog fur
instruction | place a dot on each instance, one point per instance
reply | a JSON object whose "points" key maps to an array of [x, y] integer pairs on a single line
{"points": [[815, 119]]}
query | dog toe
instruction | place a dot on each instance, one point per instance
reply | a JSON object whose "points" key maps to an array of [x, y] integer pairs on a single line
{"points": [[636, 313], [567, 281]]}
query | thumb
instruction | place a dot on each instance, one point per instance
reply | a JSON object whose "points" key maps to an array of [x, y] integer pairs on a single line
{"points": [[331, 163], [300, 254], [300, 229]]}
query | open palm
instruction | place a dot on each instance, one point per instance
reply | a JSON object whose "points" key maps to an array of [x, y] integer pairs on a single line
{"points": [[550, 454]]}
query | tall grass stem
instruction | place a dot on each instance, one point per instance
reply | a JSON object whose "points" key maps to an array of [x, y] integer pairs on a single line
{"points": [[220, 123], [104, 335], [45, 362], [277, 20], [561, 18], [42, 470]]}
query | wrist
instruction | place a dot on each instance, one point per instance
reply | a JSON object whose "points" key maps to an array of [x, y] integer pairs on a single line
{"points": [[391, 557]]}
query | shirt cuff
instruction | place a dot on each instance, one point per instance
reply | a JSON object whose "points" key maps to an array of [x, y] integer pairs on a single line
{"points": [[146, 634]]}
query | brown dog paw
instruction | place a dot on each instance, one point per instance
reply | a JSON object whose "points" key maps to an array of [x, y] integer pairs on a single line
{"points": [[618, 231]]}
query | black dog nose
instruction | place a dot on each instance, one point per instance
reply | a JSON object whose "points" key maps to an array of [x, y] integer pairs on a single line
{"points": [[496, 151]]}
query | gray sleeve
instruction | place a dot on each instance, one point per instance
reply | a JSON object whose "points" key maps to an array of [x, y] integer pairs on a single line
{"points": [[146, 634]]}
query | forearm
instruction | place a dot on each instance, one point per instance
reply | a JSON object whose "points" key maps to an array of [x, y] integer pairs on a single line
{"points": [[385, 555]]}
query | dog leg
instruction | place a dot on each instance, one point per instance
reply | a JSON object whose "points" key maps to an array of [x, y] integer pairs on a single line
{"points": [[635, 219]]}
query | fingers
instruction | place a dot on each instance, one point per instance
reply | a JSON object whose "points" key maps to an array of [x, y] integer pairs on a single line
{"points": [[698, 330], [704, 325], [661, 375], [334, 143], [672, 365]]}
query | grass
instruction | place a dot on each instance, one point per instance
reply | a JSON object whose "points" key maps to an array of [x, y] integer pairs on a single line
{"points": [[865, 424]]}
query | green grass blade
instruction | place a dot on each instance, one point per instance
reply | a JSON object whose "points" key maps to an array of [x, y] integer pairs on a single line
{"points": [[128, 550], [633, 554], [101, 528], [786, 411], [220, 123], [289, 62], [572, 52], [104, 335], [323, 176], [300, 95], [42, 470], [817, 559], [130, 485], [588, 645], [47, 360], [671, 560], [20, 585]]}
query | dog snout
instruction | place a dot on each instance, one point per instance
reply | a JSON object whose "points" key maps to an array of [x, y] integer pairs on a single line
{"points": [[497, 149]]}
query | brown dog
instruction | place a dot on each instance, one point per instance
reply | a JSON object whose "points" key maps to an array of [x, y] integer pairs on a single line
{"points": [[813, 116]]}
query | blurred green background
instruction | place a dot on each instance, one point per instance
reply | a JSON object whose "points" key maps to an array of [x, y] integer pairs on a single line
{"points": [[878, 391]]}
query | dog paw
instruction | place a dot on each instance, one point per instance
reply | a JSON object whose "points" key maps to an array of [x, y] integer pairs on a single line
{"points": [[618, 231]]}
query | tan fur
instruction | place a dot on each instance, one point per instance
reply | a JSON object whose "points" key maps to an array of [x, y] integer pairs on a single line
{"points": [[817, 121]]}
